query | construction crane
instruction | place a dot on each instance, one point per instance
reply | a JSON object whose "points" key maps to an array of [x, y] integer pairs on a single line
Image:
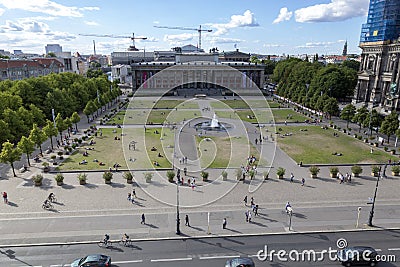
{"points": [[199, 30], [133, 38]]}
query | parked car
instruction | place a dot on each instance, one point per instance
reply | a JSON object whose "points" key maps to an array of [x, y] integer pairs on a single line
{"points": [[95, 260], [361, 255], [240, 262]]}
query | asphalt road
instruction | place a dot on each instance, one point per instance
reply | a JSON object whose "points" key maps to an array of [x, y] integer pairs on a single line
{"points": [[206, 251]]}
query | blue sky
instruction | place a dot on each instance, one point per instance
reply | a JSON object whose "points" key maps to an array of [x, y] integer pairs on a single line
{"points": [[254, 26]]}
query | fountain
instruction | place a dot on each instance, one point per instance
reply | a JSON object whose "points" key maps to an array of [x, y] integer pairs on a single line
{"points": [[212, 125]]}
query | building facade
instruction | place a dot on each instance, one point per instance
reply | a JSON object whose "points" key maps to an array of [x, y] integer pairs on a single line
{"points": [[22, 69], [379, 74]]}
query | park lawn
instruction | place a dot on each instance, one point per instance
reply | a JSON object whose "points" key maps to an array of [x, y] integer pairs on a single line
{"points": [[252, 116], [223, 152], [316, 146], [106, 150], [159, 116], [152, 139], [136, 102], [241, 104], [289, 115], [117, 118]]}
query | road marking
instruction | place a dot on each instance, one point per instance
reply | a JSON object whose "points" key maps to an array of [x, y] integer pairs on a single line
{"points": [[393, 249], [122, 262], [177, 259], [218, 257], [378, 249]]}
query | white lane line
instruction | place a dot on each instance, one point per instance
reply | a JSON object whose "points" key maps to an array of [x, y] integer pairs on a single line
{"points": [[378, 249], [218, 257], [252, 256], [393, 249], [122, 262], [177, 259]]}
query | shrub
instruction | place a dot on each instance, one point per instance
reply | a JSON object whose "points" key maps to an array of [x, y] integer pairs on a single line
{"points": [[127, 175], [356, 169], [375, 169], [280, 171], [314, 170], [204, 175], [170, 176], [148, 176], [334, 170], [396, 168], [265, 175], [59, 177], [82, 176], [238, 174], [224, 175], [107, 175], [385, 148], [38, 178], [252, 173], [53, 156]]}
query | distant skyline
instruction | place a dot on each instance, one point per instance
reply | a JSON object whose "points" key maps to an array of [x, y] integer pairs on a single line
{"points": [[252, 26]]}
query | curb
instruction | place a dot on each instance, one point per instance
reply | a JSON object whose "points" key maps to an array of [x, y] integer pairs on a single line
{"points": [[202, 237]]}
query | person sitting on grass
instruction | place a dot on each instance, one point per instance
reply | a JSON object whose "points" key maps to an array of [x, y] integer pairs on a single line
{"points": [[83, 162], [156, 163], [153, 149]]}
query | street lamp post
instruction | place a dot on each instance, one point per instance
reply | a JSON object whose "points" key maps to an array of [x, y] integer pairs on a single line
{"points": [[178, 220], [358, 216], [371, 213]]}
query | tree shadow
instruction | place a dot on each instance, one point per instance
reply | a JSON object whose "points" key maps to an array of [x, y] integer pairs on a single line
{"points": [[117, 185], [67, 186], [90, 186]]}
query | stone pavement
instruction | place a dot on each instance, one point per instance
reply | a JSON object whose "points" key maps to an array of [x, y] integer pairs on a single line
{"points": [[221, 198]]}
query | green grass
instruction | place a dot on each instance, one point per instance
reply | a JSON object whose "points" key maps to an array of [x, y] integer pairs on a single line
{"points": [[289, 115], [222, 152], [316, 145], [241, 104], [161, 116], [252, 116], [117, 118], [106, 150], [152, 139]]}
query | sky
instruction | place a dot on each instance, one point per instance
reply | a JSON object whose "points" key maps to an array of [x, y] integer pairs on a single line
{"points": [[273, 27]]}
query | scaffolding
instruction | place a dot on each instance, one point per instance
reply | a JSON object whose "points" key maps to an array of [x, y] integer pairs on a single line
{"points": [[383, 22]]}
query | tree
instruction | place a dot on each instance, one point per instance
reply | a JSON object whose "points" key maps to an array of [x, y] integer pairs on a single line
{"points": [[390, 124], [60, 124], [4, 132], [27, 146], [372, 120], [38, 137], [348, 113], [360, 116], [75, 118], [68, 124], [89, 109], [10, 154], [50, 130], [331, 107]]}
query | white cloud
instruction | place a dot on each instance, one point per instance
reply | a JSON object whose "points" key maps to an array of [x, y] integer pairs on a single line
{"points": [[219, 40], [91, 23], [46, 7], [178, 37], [336, 10], [1, 11], [245, 20], [271, 45], [320, 44], [89, 8], [25, 26], [284, 14]]}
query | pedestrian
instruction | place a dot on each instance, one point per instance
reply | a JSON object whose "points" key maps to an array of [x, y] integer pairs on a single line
{"points": [[187, 220], [143, 219], [303, 181], [245, 200], [256, 141], [249, 213], [186, 160], [256, 211], [185, 171], [129, 197], [224, 223], [134, 192], [291, 177], [5, 197], [252, 200]]}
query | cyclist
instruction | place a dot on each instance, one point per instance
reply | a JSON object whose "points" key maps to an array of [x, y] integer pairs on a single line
{"points": [[106, 239], [125, 238], [51, 197], [288, 207], [46, 204]]}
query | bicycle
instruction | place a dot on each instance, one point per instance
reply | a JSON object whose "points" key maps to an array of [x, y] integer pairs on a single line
{"points": [[125, 242], [104, 244], [47, 206]]}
